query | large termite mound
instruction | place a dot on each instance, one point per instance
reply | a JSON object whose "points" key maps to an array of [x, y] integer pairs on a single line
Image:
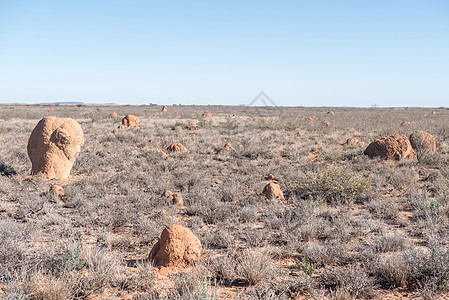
{"points": [[53, 147]]}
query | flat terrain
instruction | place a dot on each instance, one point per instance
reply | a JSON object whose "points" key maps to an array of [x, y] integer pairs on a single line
{"points": [[349, 226]]}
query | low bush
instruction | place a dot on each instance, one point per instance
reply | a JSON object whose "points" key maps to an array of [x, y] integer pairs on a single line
{"points": [[350, 282], [336, 185]]}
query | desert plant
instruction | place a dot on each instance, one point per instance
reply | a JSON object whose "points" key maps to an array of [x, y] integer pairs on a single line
{"points": [[351, 282], [305, 266], [253, 267], [429, 271], [389, 243], [328, 253], [430, 212], [384, 209], [193, 285], [335, 185], [72, 259], [394, 270]]}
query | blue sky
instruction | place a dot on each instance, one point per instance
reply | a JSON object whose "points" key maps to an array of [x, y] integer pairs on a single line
{"points": [[301, 53]]}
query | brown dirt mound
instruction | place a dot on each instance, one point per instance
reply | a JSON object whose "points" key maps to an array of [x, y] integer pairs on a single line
{"points": [[177, 147], [422, 142], [177, 247], [273, 190], [114, 115], [330, 113], [53, 147], [191, 128], [405, 123], [130, 121], [229, 147], [394, 146], [207, 115], [164, 108]]}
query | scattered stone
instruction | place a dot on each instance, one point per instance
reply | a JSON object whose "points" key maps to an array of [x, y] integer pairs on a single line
{"points": [[273, 190], [405, 123], [51, 110], [394, 146], [177, 199], [177, 147], [327, 123], [207, 115], [177, 247], [114, 115], [164, 108], [167, 194], [191, 128], [229, 147], [351, 141], [354, 142], [270, 177], [53, 147], [301, 133], [115, 131], [130, 121], [434, 112], [330, 113], [310, 118], [57, 190], [422, 142]]}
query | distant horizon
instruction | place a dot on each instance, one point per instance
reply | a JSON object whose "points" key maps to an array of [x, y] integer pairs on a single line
{"points": [[323, 53], [174, 104]]}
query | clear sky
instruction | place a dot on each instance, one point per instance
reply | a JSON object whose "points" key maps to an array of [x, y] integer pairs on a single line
{"points": [[306, 53]]}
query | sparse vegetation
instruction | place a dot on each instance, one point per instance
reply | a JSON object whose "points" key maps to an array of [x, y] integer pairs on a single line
{"points": [[348, 226]]}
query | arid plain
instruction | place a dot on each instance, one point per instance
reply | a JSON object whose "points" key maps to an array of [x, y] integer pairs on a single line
{"points": [[346, 227]]}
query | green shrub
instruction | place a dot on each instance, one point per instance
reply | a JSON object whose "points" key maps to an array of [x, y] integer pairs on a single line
{"points": [[335, 185], [305, 266]]}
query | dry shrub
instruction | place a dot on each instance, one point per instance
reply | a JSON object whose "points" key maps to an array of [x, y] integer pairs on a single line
{"points": [[193, 284], [336, 185], [390, 243], [223, 268], [254, 266], [328, 253], [394, 270], [429, 272], [384, 209], [352, 283]]}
